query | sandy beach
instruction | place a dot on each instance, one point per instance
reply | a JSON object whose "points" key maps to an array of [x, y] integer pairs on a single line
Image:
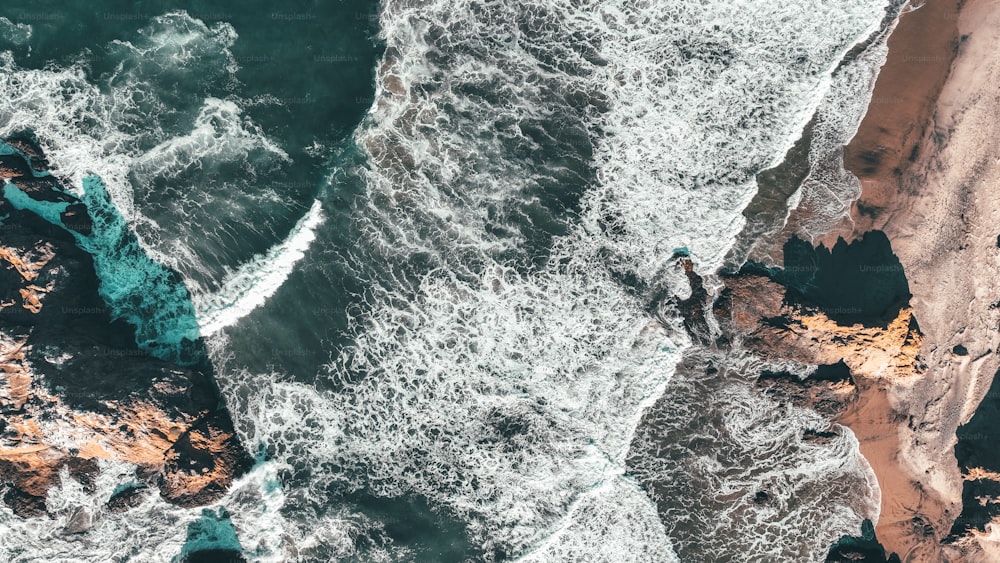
{"points": [[889, 139], [927, 157]]}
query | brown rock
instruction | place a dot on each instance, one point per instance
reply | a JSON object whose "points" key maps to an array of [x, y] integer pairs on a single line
{"points": [[76, 388]]}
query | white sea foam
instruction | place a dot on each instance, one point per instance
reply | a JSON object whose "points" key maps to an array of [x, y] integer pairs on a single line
{"points": [[219, 134], [701, 124], [696, 98], [156, 146], [606, 519], [507, 398], [828, 192], [510, 398], [155, 531], [821, 206], [707, 463], [492, 399], [249, 286], [14, 33], [129, 131]]}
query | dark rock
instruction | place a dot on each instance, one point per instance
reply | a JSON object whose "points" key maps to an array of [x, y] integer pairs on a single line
{"points": [[67, 359], [126, 498], [28, 145], [861, 282], [818, 436], [23, 504], [860, 549], [694, 308], [820, 394], [215, 556], [922, 527], [209, 450], [976, 448], [832, 372], [84, 471]]}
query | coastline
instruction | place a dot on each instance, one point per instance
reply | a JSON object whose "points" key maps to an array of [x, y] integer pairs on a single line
{"points": [[921, 50], [924, 160], [161, 418]]}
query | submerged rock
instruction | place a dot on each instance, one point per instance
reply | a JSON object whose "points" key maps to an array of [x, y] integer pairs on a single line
{"points": [[211, 538], [78, 386]]}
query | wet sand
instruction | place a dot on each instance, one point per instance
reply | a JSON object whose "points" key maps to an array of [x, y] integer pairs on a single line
{"points": [[912, 520], [928, 156], [888, 141]]}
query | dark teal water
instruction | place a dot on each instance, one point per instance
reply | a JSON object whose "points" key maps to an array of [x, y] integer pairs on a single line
{"points": [[420, 268], [304, 78]]}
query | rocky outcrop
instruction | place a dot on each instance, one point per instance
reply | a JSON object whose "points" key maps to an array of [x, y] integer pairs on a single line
{"points": [[76, 387], [863, 349], [928, 166], [979, 460], [758, 310], [923, 409]]}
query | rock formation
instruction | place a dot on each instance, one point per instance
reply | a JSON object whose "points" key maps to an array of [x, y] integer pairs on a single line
{"points": [[867, 350], [928, 167], [76, 387], [926, 156]]}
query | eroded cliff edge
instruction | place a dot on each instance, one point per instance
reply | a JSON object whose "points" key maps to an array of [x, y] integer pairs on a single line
{"points": [[929, 181], [77, 387]]}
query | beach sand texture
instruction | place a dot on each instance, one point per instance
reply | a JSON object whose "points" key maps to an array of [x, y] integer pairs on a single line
{"points": [[928, 157]]}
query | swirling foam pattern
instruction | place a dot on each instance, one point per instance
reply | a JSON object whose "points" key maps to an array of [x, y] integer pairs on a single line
{"points": [[517, 191]]}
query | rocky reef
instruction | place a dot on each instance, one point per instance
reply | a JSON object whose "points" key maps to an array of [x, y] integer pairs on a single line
{"points": [[83, 381]]}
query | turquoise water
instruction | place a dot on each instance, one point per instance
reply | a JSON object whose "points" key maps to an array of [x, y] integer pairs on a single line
{"points": [[49, 210], [214, 531], [135, 287], [304, 75]]}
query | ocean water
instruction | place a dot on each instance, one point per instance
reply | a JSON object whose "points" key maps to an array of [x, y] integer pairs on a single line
{"points": [[421, 241]]}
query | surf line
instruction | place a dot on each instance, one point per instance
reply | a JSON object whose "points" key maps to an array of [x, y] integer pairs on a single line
{"points": [[256, 280]]}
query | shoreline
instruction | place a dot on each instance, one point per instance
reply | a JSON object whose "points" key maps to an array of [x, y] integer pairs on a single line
{"points": [[921, 50], [923, 162]]}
